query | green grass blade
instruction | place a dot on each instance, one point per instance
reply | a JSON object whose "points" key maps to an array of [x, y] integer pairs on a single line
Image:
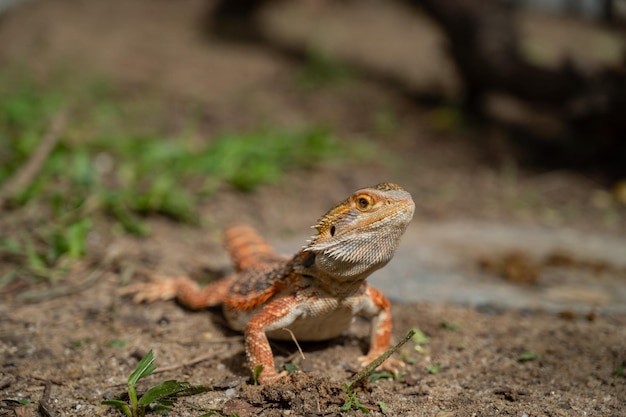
{"points": [[163, 390], [528, 356], [120, 405], [77, 238], [144, 368], [169, 389]]}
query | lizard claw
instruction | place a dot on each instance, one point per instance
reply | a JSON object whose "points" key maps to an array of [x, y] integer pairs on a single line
{"points": [[158, 290], [268, 378]]}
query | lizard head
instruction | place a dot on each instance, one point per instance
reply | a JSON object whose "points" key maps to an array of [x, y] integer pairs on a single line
{"points": [[360, 234]]}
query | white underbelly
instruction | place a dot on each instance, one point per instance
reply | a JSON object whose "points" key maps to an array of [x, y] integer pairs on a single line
{"points": [[311, 328]]}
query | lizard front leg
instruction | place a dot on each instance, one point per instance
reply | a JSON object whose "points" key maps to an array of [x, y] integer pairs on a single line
{"points": [[379, 309], [278, 314]]}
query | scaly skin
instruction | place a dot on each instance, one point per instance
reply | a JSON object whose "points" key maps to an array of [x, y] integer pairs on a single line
{"points": [[314, 294]]}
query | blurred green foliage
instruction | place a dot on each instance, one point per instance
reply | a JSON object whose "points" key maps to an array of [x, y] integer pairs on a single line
{"points": [[116, 158]]}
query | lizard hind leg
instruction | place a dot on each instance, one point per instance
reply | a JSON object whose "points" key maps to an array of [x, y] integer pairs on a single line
{"points": [[248, 249], [194, 297], [185, 290]]}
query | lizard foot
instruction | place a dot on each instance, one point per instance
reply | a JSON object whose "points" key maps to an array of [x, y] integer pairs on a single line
{"points": [[161, 289], [268, 378]]}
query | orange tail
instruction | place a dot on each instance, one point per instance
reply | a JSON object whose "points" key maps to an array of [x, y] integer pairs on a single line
{"points": [[247, 248]]}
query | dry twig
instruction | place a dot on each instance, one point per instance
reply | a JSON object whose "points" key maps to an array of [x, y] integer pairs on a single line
{"points": [[293, 337], [37, 296], [190, 362], [27, 173], [367, 371], [92, 278], [44, 407]]}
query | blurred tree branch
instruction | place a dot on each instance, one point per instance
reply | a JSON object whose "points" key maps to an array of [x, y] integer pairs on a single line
{"points": [[485, 45]]}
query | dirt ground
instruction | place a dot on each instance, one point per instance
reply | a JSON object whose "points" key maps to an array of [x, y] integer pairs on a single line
{"points": [[473, 353]]}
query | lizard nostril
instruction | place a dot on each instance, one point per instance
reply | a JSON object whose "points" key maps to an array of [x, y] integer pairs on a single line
{"points": [[332, 230]]}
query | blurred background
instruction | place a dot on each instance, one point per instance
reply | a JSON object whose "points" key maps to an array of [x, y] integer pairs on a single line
{"points": [[131, 133]]}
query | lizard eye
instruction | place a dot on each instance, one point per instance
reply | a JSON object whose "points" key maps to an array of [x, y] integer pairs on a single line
{"points": [[363, 202]]}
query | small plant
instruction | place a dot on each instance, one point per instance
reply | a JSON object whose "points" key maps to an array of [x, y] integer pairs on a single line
{"points": [[450, 325], [79, 343], [116, 344], [435, 369], [291, 368], [381, 375], [15, 401], [352, 402], [419, 340], [161, 395], [383, 407], [256, 373], [406, 358], [528, 356]]}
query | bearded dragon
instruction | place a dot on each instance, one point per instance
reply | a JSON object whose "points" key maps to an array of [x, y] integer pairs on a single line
{"points": [[317, 292]]}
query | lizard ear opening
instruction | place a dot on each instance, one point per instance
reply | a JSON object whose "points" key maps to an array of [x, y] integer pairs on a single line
{"points": [[332, 230]]}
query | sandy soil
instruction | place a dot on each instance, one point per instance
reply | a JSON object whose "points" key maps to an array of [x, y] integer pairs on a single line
{"points": [[68, 341]]}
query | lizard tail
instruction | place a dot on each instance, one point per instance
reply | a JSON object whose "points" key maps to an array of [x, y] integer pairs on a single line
{"points": [[247, 248]]}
